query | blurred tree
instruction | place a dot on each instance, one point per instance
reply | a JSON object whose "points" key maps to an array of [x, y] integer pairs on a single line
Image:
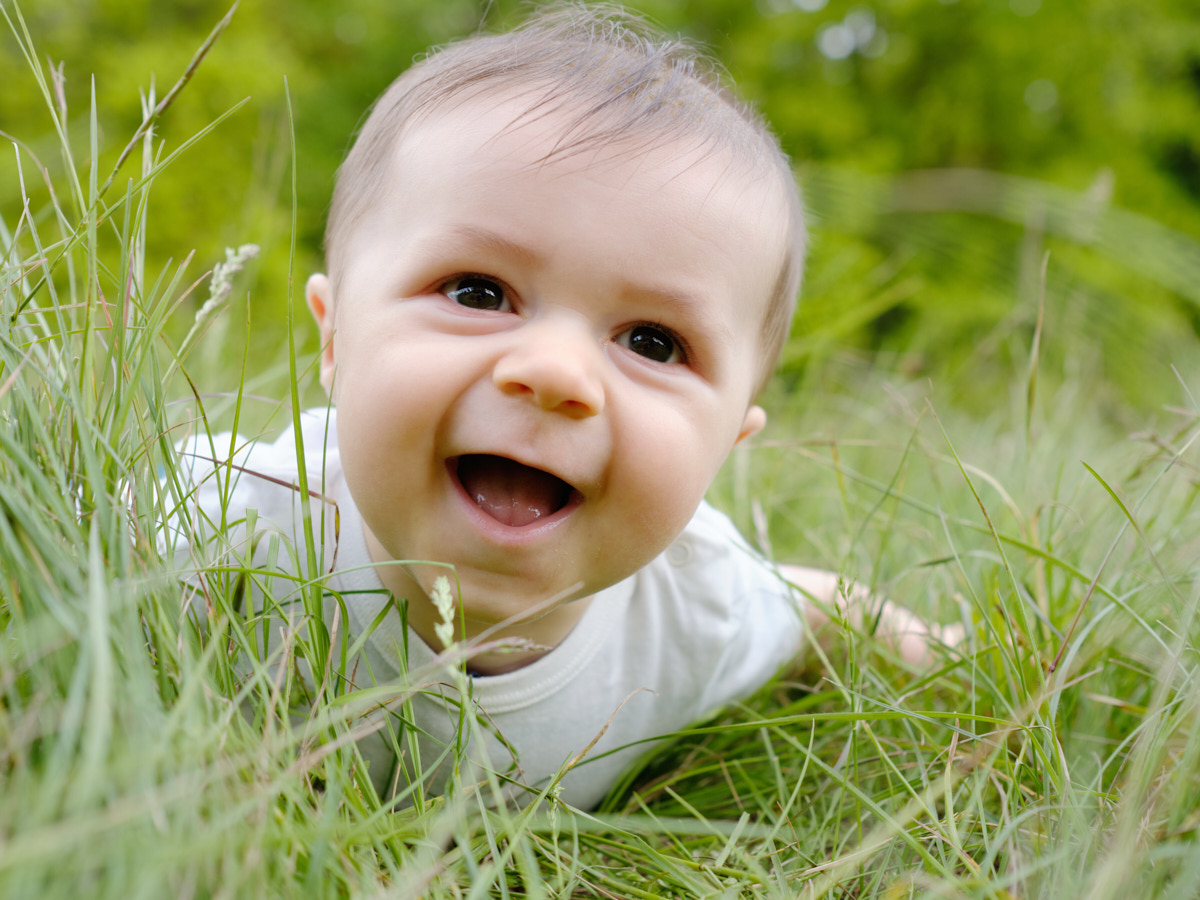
{"points": [[1097, 99]]}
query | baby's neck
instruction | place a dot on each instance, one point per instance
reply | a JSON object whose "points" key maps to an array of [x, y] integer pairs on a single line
{"points": [[512, 647], [502, 647]]}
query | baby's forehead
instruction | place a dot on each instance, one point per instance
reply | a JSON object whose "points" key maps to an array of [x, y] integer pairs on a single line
{"points": [[694, 117], [605, 102], [478, 182], [517, 130], [490, 144]]}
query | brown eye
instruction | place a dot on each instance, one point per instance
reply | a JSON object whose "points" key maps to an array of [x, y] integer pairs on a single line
{"points": [[477, 292], [652, 343]]}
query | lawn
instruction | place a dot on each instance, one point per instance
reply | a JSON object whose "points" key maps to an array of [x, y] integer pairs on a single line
{"points": [[1020, 484]]}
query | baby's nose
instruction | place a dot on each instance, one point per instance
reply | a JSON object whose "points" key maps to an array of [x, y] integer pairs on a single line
{"points": [[555, 365]]}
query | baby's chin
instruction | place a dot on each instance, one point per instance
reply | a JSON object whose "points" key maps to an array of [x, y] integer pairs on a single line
{"points": [[511, 631]]}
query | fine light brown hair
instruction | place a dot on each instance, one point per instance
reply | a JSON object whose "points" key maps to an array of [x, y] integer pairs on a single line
{"points": [[615, 82]]}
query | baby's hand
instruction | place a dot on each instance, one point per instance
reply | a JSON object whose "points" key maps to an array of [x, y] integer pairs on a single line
{"points": [[915, 641], [918, 642]]}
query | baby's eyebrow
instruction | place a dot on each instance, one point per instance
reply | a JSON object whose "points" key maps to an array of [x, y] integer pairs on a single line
{"points": [[486, 239], [691, 309]]}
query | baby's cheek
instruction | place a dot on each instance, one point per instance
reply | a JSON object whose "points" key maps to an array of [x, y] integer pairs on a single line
{"points": [[681, 472], [665, 512]]}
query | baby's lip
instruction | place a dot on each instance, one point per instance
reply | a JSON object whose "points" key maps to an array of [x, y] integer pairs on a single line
{"points": [[510, 492], [579, 477]]}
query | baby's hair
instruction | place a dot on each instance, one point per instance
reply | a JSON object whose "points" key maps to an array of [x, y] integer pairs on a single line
{"points": [[620, 83]]}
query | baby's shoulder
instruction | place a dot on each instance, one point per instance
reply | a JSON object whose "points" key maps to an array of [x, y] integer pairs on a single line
{"points": [[234, 473], [711, 541], [711, 526], [713, 607], [710, 564]]}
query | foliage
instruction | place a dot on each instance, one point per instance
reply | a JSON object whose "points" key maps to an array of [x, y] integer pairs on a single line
{"points": [[858, 91]]}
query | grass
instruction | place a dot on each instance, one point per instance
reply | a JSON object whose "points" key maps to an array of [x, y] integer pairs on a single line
{"points": [[1055, 754]]}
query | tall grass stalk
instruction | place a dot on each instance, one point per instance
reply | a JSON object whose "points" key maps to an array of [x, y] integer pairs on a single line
{"points": [[156, 741]]}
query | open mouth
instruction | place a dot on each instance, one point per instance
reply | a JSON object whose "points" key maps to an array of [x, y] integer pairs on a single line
{"points": [[511, 493]]}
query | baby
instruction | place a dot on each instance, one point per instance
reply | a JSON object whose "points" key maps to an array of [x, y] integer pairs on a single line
{"points": [[561, 264]]}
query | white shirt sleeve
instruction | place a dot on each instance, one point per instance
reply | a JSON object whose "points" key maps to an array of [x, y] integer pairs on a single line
{"points": [[731, 622]]}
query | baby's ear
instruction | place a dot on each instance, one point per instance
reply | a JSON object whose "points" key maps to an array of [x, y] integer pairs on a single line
{"points": [[756, 418], [319, 294]]}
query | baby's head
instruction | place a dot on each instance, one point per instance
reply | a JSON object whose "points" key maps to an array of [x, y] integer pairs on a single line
{"points": [[609, 84], [562, 262]]}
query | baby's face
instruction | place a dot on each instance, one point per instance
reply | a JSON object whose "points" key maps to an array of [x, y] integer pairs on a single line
{"points": [[538, 367]]}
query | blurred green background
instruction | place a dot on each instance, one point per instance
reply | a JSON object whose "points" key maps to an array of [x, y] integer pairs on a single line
{"points": [[944, 146]]}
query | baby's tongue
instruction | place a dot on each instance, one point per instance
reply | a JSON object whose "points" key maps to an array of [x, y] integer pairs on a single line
{"points": [[510, 492]]}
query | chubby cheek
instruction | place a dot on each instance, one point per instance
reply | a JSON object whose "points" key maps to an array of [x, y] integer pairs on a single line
{"points": [[667, 472], [660, 515], [365, 445], [385, 431], [387, 386]]}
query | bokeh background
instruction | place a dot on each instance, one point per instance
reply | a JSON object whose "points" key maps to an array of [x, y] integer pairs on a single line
{"points": [[944, 147]]}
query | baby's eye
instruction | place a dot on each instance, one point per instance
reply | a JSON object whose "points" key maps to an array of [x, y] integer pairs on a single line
{"points": [[652, 342], [477, 292]]}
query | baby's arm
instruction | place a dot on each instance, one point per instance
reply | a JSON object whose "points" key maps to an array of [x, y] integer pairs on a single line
{"points": [[899, 629]]}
